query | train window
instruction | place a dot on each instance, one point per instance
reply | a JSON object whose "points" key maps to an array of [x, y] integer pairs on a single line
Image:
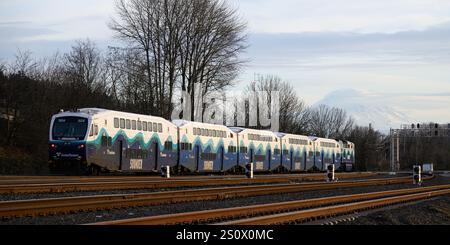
{"points": [[116, 122], [155, 127], [214, 133], [286, 152], [149, 126], [128, 124], [231, 149], [160, 127], [133, 125], [310, 154], [104, 141], [95, 129], [276, 151], [317, 154], [122, 123], [194, 131], [144, 154], [91, 133], [260, 158], [168, 146], [139, 125], [231, 135], [144, 126], [209, 156], [139, 154]]}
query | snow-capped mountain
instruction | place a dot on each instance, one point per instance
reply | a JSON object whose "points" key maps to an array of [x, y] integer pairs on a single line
{"points": [[367, 108]]}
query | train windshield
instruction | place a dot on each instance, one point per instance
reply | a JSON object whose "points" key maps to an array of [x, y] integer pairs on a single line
{"points": [[70, 128]]}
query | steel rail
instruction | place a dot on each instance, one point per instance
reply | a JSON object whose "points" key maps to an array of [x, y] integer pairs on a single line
{"points": [[8, 180], [150, 184], [331, 211], [99, 202], [208, 216]]}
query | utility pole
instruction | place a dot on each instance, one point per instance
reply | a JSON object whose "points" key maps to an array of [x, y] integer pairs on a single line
{"points": [[395, 150]]}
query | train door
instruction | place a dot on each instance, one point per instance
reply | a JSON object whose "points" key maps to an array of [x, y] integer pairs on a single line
{"points": [[221, 158], [322, 157], [292, 158], [156, 154], [304, 160], [333, 162], [120, 150], [197, 157]]}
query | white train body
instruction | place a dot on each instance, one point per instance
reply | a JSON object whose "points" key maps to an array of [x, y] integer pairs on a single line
{"points": [[120, 141]]}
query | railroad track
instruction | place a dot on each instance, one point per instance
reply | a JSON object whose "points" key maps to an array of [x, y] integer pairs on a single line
{"points": [[99, 202], [292, 211], [52, 179], [98, 184]]}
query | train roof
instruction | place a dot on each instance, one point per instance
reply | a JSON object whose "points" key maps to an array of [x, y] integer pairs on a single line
{"points": [[181, 123], [105, 112], [281, 135], [239, 130]]}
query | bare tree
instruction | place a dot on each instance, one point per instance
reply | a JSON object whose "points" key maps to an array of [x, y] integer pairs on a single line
{"points": [[83, 65], [293, 112], [330, 122], [183, 44]]}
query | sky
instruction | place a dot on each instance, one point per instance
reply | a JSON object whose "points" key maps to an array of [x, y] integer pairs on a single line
{"points": [[397, 51]]}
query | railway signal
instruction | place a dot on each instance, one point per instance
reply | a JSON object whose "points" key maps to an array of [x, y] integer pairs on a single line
{"points": [[249, 170], [417, 174], [165, 171], [330, 173]]}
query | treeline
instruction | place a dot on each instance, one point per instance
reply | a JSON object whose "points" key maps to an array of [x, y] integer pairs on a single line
{"points": [[423, 149], [167, 47]]}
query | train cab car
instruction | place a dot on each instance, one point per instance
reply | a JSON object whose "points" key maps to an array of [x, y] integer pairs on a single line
{"points": [[206, 147], [67, 140], [120, 141], [297, 152], [329, 150], [347, 155], [260, 147]]}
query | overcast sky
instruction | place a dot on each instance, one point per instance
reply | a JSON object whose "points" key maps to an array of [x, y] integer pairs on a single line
{"points": [[392, 48]]}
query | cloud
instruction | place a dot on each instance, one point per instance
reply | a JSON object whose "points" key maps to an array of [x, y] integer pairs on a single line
{"points": [[292, 16], [12, 32]]}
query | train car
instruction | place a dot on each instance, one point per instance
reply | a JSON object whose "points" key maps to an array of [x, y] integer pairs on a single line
{"points": [[206, 147], [347, 155], [104, 139], [258, 146], [297, 152], [328, 151]]}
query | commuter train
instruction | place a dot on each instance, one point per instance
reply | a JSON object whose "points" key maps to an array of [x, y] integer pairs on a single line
{"points": [[92, 140]]}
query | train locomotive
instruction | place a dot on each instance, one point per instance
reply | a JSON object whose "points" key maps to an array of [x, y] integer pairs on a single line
{"points": [[92, 140]]}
